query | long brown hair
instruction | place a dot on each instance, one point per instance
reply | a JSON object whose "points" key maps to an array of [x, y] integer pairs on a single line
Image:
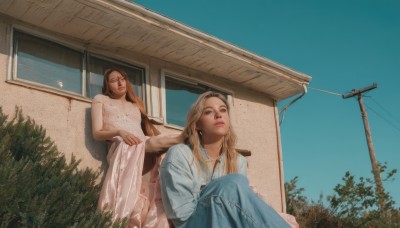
{"points": [[193, 136], [130, 96]]}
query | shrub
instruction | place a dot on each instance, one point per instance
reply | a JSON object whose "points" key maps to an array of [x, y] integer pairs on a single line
{"points": [[38, 188]]}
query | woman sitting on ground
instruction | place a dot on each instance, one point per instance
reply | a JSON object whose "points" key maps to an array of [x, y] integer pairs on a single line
{"points": [[203, 182]]}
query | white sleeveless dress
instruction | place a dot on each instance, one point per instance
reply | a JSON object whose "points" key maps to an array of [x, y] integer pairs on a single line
{"points": [[125, 192]]}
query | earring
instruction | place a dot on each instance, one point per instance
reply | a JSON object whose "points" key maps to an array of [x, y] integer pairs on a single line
{"points": [[200, 133]]}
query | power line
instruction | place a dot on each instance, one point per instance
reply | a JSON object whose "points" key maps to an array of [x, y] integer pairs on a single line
{"points": [[378, 114], [390, 114], [387, 121], [325, 91]]}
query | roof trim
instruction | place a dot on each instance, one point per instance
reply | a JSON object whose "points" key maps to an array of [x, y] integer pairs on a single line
{"points": [[228, 49]]}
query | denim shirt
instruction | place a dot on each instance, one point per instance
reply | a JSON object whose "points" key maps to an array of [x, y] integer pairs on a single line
{"points": [[182, 180]]}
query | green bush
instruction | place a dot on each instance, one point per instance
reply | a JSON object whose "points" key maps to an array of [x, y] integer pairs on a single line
{"points": [[353, 204], [38, 188]]}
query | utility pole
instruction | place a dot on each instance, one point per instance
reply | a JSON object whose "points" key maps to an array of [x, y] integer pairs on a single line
{"points": [[375, 170]]}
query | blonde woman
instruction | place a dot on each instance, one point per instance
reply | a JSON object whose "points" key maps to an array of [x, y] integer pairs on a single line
{"points": [[119, 117], [203, 182]]}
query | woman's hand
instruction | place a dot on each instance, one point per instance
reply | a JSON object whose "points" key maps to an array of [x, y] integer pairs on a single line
{"points": [[129, 138]]}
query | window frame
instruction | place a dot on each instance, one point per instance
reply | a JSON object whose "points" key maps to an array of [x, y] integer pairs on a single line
{"points": [[142, 95], [185, 79], [39, 86], [86, 53]]}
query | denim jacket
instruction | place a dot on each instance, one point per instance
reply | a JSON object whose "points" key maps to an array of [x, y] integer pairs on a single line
{"points": [[182, 180]]}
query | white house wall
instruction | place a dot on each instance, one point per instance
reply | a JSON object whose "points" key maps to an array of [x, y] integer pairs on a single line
{"points": [[67, 118]]}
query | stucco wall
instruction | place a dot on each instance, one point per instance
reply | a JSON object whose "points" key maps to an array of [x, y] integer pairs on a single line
{"points": [[67, 120], [254, 122]]}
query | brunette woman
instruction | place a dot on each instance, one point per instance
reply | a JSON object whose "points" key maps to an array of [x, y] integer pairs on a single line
{"points": [[119, 116]]}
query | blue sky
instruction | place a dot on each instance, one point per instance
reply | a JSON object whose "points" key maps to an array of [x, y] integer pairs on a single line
{"points": [[343, 45]]}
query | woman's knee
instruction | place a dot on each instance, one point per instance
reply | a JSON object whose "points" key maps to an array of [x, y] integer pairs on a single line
{"points": [[228, 183], [234, 181]]}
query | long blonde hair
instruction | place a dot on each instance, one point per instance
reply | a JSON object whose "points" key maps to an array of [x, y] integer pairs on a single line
{"points": [[193, 136], [147, 126]]}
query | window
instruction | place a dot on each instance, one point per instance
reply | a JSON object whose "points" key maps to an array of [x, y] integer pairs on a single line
{"points": [[44, 62], [179, 97], [47, 63], [95, 75]]}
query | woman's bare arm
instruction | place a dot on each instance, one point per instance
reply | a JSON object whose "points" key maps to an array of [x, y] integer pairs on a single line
{"points": [[163, 142]]}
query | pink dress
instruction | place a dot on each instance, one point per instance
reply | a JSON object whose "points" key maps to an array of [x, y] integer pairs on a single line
{"points": [[125, 192]]}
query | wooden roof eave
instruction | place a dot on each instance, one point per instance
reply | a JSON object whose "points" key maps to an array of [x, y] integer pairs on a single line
{"points": [[295, 78], [137, 29]]}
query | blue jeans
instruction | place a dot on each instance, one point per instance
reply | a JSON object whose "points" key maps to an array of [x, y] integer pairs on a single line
{"points": [[229, 201]]}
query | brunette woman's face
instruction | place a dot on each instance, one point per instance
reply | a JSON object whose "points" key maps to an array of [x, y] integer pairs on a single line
{"points": [[117, 84], [214, 120]]}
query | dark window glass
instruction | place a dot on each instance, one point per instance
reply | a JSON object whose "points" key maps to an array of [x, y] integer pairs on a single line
{"points": [[179, 97], [97, 66], [48, 63]]}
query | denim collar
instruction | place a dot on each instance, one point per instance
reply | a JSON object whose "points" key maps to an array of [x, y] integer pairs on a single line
{"points": [[205, 155]]}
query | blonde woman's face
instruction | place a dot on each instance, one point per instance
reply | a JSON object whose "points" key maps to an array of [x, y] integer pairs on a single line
{"points": [[214, 120], [117, 84]]}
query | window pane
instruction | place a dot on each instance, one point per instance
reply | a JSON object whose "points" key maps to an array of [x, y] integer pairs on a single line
{"points": [[48, 63], [179, 98], [95, 76]]}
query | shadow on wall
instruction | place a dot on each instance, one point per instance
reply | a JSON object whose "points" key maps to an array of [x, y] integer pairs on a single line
{"points": [[98, 149]]}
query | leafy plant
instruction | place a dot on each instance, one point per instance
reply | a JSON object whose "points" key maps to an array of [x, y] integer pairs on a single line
{"points": [[353, 204], [38, 188]]}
